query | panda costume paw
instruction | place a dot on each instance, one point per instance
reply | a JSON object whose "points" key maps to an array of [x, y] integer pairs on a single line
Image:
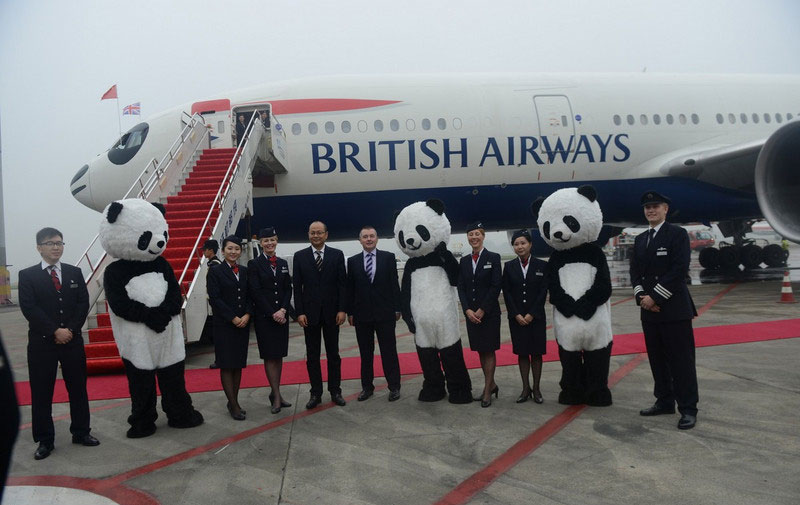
{"points": [[570, 221]]}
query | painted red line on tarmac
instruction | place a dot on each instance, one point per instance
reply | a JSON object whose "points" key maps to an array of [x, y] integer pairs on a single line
{"points": [[121, 494], [622, 301], [96, 409], [716, 298], [481, 479]]}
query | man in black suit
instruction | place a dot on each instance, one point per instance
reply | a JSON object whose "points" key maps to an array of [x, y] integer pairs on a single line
{"points": [[659, 268], [319, 296], [373, 305], [54, 300]]}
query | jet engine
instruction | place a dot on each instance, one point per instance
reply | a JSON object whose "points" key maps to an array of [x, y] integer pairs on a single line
{"points": [[777, 180]]}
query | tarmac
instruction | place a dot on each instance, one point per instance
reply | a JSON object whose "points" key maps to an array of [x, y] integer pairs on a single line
{"points": [[744, 450]]}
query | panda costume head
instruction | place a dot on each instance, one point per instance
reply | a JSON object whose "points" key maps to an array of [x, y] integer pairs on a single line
{"points": [[421, 227], [134, 229], [569, 217]]}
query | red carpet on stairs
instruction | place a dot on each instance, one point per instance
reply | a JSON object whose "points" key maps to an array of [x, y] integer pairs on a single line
{"points": [[186, 213], [294, 372]]}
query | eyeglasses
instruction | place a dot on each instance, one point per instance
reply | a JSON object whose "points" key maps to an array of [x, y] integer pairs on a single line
{"points": [[50, 243]]}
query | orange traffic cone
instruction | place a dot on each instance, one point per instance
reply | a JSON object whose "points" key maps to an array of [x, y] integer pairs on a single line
{"points": [[786, 290]]}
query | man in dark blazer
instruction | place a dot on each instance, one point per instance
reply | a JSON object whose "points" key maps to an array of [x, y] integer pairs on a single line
{"points": [[54, 299], [373, 305], [659, 268], [319, 298]]}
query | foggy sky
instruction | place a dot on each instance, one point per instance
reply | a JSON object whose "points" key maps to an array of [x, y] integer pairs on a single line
{"points": [[57, 58]]}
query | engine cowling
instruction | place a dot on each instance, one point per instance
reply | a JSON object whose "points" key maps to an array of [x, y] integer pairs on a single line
{"points": [[777, 180]]}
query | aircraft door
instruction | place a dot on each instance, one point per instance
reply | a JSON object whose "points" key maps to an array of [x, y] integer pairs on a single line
{"points": [[217, 115], [555, 120]]}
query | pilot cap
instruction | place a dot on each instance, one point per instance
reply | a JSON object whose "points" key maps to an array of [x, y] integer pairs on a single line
{"points": [[521, 233], [654, 197], [477, 225], [231, 238], [267, 232]]}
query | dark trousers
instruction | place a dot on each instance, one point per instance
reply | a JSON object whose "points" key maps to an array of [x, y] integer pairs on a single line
{"points": [[365, 335], [314, 336], [9, 419], [670, 348], [175, 401], [43, 363]]}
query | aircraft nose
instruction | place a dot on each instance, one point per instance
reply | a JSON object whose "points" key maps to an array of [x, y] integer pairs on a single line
{"points": [[80, 188]]}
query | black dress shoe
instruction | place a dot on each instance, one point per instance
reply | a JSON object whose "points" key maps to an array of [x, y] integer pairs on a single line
{"points": [[394, 395], [338, 400], [364, 395], [687, 422], [275, 410], [537, 398], [43, 451], [657, 410], [523, 397], [313, 402], [213, 366], [87, 440], [283, 403]]}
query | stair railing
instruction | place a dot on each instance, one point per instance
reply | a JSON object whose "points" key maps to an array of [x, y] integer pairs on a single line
{"points": [[153, 182]]}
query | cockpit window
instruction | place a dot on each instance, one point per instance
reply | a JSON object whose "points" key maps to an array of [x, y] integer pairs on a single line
{"points": [[128, 145]]}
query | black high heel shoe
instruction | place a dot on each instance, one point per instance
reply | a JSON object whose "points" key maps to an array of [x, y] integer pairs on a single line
{"points": [[523, 397], [240, 416], [537, 398], [283, 403], [488, 403]]}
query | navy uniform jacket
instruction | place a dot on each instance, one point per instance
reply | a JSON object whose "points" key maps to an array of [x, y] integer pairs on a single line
{"points": [[47, 309], [227, 295], [378, 300], [319, 294], [269, 292], [525, 295], [481, 290], [660, 270]]}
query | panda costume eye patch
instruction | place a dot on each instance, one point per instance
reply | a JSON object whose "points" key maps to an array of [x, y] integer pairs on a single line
{"points": [[424, 234], [546, 229], [144, 240], [572, 223], [401, 239]]}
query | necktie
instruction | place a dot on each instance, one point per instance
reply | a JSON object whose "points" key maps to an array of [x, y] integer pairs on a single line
{"points": [[319, 260], [524, 262], [273, 262], [370, 269], [54, 276], [235, 269], [651, 234], [475, 257]]}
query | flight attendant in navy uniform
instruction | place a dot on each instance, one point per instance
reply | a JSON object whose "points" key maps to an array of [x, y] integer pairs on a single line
{"points": [[479, 283], [659, 268], [228, 296], [54, 299], [271, 291], [525, 291]]}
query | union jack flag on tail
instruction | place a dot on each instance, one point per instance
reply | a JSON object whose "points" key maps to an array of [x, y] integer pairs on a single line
{"points": [[133, 109]]}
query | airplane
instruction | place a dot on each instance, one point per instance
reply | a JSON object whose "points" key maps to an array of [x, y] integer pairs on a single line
{"points": [[360, 148]]}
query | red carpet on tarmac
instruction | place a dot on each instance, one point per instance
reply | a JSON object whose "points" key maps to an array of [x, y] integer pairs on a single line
{"points": [[294, 372]]}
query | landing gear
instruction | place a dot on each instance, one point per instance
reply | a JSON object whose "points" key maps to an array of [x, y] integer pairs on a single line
{"points": [[743, 251]]}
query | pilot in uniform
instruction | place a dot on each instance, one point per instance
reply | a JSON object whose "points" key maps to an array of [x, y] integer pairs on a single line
{"points": [[54, 299], [659, 269]]}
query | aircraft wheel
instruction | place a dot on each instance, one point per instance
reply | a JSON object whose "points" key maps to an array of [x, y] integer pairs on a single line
{"points": [[773, 255], [751, 256], [729, 257], [709, 258]]}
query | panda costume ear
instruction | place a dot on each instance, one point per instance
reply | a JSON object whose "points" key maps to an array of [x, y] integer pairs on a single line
{"points": [[588, 192], [436, 205], [535, 208], [161, 208], [113, 212]]}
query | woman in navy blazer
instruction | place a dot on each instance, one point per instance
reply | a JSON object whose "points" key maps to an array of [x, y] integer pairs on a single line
{"points": [[271, 291], [525, 291], [479, 284], [227, 294]]}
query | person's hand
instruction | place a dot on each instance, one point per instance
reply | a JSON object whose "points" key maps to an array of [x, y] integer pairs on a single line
{"points": [[244, 320], [521, 320], [340, 318], [279, 316], [350, 320], [528, 318], [655, 308], [302, 320], [63, 335], [471, 315], [237, 321], [647, 302], [479, 314]]}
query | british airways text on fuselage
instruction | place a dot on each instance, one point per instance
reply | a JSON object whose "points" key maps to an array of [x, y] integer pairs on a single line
{"points": [[454, 152]]}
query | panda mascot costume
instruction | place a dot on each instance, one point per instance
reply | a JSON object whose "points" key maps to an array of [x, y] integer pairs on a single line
{"points": [[580, 287], [430, 301], [144, 302]]}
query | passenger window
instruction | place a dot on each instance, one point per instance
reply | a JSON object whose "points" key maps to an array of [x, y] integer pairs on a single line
{"points": [[743, 118], [394, 125], [378, 125], [362, 126], [695, 119], [312, 128], [789, 116], [563, 121], [617, 120], [411, 125], [220, 126], [346, 126], [296, 129], [656, 119], [778, 117], [329, 127], [441, 123], [630, 119], [682, 118], [767, 118], [755, 118], [457, 123], [426, 124], [643, 119], [670, 120], [720, 119], [731, 118]]}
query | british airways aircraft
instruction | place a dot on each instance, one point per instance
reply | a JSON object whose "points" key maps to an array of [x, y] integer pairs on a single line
{"points": [[724, 147]]}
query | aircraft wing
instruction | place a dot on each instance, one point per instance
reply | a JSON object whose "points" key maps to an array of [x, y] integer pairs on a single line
{"points": [[729, 167]]}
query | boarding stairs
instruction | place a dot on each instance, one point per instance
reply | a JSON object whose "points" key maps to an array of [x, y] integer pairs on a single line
{"points": [[197, 186]]}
